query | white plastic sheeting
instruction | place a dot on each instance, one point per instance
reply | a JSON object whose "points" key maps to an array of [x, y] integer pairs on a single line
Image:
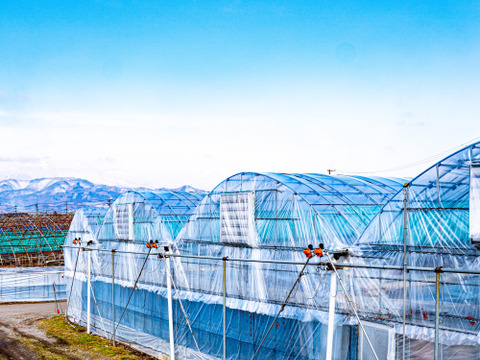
{"points": [[291, 211], [151, 217], [428, 225], [83, 229], [32, 284], [475, 203]]}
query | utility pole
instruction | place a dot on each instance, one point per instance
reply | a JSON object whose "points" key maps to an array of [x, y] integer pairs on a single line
{"points": [[330, 171], [66, 207]]}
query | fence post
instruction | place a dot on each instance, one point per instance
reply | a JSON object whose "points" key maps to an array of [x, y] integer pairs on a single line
{"points": [[89, 265], [170, 306], [331, 315], [438, 270], [224, 309], [113, 297], [405, 229]]}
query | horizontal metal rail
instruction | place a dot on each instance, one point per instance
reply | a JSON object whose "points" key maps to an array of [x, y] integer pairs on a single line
{"points": [[280, 262]]}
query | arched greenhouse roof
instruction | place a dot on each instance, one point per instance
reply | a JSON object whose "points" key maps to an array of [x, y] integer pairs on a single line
{"points": [[390, 182], [85, 225], [335, 189], [297, 207], [439, 208], [171, 203], [165, 211]]}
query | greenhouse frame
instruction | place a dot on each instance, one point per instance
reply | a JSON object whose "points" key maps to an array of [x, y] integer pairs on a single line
{"points": [[225, 276], [31, 257], [32, 239], [134, 219]]}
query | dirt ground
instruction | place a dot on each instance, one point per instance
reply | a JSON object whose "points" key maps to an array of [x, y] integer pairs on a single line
{"points": [[21, 337], [18, 321]]}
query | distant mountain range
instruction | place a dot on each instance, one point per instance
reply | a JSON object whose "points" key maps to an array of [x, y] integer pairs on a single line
{"points": [[60, 194]]}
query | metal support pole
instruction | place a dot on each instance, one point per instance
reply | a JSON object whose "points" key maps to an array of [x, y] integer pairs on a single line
{"points": [[405, 226], [331, 315], [89, 266], [170, 308], [73, 280], [113, 297], [437, 315], [302, 272], [224, 309], [352, 305]]}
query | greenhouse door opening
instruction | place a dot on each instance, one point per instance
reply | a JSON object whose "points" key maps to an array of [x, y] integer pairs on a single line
{"points": [[383, 341]]}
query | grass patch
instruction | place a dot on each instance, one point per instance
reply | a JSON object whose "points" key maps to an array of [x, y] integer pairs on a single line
{"points": [[42, 351], [74, 340]]}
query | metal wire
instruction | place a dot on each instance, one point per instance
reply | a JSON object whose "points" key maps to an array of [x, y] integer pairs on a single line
{"points": [[153, 271], [347, 295], [283, 306], [181, 305], [360, 266], [318, 288], [71, 286], [133, 289], [99, 314]]}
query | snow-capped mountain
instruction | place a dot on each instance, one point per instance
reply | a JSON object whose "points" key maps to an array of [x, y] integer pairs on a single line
{"points": [[60, 194]]}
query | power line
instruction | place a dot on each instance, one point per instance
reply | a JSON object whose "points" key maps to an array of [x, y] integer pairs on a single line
{"points": [[416, 163]]}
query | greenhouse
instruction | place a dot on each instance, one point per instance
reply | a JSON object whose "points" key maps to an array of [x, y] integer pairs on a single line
{"points": [[270, 217], [134, 220], [31, 257], [83, 229], [259, 216], [433, 222], [231, 274]]}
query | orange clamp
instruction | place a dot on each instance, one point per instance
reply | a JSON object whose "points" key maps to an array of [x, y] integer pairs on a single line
{"points": [[307, 253]]}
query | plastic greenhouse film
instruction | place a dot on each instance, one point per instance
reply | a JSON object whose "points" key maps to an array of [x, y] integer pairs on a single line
{"points": [[290, 212], [134, 220], [31, 284], [441, 208], [475, 203], [273, 217]]}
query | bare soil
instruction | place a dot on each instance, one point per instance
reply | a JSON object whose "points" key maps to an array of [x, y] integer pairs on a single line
{"points": [[18, 321], [23, 336]]}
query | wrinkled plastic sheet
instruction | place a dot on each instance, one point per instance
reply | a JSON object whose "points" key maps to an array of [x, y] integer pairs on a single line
{"points": [[475, 203], [286, 222], [32, 284]]}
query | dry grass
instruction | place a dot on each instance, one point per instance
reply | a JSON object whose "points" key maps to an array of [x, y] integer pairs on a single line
{"points": [[72, 342]]}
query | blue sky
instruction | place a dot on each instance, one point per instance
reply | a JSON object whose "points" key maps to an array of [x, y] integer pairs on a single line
{"points": [[159, 93]]}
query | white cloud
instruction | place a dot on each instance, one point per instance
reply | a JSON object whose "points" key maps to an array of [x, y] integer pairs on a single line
{"points": [[202, 140]]}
